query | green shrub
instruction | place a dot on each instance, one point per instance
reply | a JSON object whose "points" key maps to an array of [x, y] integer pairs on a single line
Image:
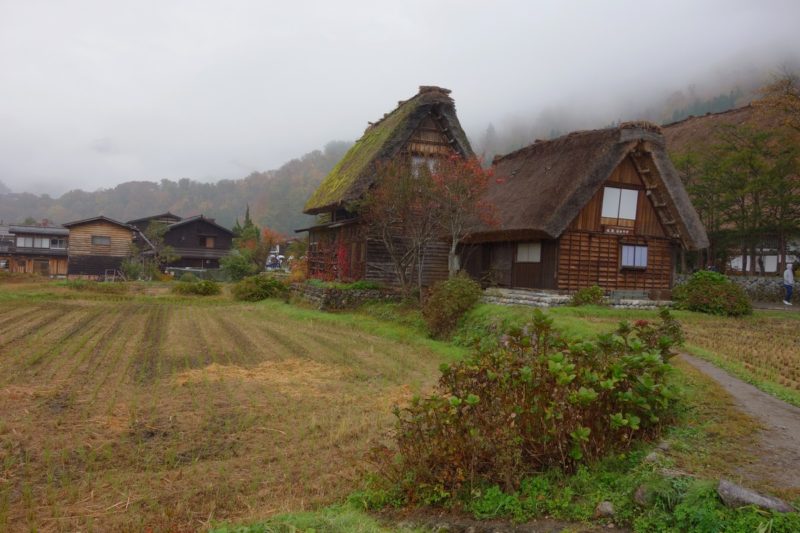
{"points": [[239, 264], [360, 285], [188, 277], [537, 401], [260, 287], [132, 269], [447, 303], [199, 288], [711, 292], [593, 295]]}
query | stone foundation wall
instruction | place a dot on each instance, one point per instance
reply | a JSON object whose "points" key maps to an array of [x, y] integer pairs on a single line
{"points": [[757, 288], [333, 299]]}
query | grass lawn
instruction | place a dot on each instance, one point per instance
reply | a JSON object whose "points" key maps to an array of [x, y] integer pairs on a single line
{"points": [[135, 412]]}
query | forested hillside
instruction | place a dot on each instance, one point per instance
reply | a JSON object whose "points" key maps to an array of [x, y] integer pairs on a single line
{"points": [[275, 197], [741, 169]]}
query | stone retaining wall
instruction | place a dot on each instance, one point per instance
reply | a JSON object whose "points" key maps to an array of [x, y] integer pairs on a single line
{"points": [[757, 288], [542, 298], [333, 299]]}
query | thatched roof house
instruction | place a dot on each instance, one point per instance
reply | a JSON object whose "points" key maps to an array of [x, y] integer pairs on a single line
{"points": [[421, 129], [430, 114], [581, 203]]}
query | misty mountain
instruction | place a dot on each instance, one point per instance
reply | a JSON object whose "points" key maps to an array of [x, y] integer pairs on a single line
{"points": [[4, 189], [504, 136], [275, 197]]}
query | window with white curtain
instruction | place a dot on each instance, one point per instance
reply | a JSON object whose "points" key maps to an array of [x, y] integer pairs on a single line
{"points": [[634, 256]]}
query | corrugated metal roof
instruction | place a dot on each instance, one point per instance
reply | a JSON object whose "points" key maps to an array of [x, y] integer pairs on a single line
{"points": [[38, 230]]}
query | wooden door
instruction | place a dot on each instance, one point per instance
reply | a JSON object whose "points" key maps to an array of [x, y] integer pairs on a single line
{"points": [[527, 268]]}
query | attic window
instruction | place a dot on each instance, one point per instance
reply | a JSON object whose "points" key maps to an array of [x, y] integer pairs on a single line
{"points": [[619, 206], [418, 162], [634, 256], [102, 240]]}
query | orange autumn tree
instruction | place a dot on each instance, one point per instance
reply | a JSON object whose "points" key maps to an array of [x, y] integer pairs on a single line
{"points": [[459, 190], [251, 249]]}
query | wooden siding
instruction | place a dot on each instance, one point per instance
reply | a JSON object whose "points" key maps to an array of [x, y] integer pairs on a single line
{"points": [[586, 259], [624, 176], [37, 264], [379, 266], [80, 240], [187, 236], [93, 266], [589, 252], [337, 253]]}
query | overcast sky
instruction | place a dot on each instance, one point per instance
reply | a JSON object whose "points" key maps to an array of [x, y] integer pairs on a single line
{"points": [[94, 93]]}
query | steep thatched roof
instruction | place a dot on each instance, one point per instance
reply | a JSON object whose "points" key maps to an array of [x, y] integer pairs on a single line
{"points": [[539, 190], [353, 175]]}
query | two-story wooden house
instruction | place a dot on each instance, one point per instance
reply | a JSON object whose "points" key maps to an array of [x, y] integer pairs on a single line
{"points": [[34, 250], [420, 130], [603, 207], [98, 246], [198, 241]]}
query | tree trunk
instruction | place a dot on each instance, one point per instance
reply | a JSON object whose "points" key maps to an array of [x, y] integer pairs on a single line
{"points": [[453, 265]]}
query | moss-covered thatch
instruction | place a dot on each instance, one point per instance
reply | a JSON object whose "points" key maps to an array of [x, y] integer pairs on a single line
{"points": [[353, 175]]}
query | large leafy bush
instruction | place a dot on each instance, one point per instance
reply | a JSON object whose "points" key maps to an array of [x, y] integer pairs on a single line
{"points": [[711, 292], [448, 302], [260, 287], [537, 401]]}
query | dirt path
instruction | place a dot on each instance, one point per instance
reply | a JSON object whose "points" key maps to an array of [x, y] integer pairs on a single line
{"points": [[777, 461]]}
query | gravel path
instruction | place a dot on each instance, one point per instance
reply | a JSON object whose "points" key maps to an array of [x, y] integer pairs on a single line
{"points": [[777, 461]]}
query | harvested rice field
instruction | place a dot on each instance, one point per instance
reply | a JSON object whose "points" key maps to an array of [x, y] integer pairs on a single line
{"points": [[164, 414]]}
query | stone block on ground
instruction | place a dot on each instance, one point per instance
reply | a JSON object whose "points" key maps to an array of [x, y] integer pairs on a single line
{"points": [[734, 495]]}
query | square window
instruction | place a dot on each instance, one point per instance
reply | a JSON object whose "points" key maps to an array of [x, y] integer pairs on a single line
{"points": [[619, 204], [634, 256], [529, 252]]}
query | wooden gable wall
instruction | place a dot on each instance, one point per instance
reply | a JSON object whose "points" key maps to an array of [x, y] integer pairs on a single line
{"points": [[429, 140], [624, 176], [591, 255], [80, 239], [94, 260], [188, 235]]}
